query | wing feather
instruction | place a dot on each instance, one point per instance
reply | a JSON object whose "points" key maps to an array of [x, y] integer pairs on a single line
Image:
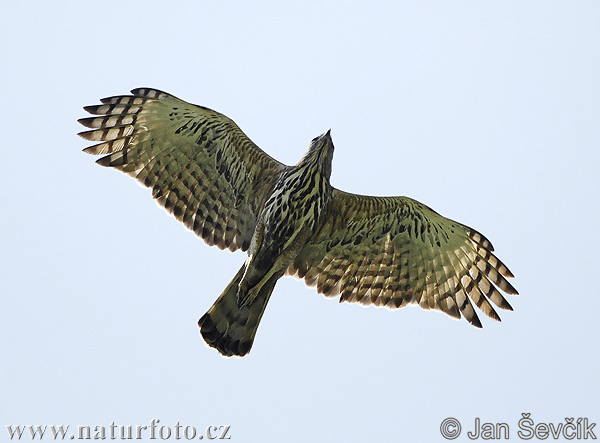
{"points": [[394, 251], [201, 167]]}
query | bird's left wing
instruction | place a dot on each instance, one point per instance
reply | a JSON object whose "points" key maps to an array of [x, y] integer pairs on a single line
{"points": [[201, 167], [392, 251]]}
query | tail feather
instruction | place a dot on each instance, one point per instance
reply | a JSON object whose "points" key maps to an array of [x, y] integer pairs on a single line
{"points": [[231, 329]]}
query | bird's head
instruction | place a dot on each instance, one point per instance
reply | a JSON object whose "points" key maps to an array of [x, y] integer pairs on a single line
{"points": [[320, 153]]}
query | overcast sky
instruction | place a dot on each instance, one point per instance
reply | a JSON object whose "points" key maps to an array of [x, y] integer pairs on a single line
{"points": [[488, 112]]}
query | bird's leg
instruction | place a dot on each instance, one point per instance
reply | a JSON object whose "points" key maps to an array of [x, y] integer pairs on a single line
{"points": [[252, 282], [261, 267], [245, 296]]}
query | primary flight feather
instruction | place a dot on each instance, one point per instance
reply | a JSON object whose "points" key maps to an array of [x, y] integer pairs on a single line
{"points": [[386, 251]]}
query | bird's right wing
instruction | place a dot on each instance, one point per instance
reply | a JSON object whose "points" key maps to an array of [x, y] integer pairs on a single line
{"points": [[393, 251], [201, 167]]}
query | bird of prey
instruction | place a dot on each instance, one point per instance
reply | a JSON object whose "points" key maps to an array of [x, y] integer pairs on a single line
{"points": [[384, 251]]}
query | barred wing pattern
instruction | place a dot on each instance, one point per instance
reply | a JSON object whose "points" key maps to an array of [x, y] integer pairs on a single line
{"points": [[393, 251], [201, 167]]}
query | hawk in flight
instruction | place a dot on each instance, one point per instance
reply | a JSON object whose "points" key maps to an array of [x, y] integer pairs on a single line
{"points": [[385, 251]]}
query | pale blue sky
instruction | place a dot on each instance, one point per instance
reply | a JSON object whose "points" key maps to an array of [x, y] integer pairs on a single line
{"points": [[486, 111]]}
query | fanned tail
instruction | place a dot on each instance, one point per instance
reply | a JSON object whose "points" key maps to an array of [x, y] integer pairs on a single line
{"points": [[231, 329]]}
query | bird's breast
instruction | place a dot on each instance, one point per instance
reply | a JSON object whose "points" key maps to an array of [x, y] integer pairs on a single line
{"points": [[295, 205]]}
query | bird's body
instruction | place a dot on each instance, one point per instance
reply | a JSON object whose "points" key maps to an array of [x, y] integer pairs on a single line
{"points": [[386, 251], [290, 214], [285, 225]]}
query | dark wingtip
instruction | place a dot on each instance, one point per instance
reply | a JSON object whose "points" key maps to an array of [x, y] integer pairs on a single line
{"points": [[151, 93], [91, 109], [510, 289], [87, 122], [475, 322], [104, 161]]}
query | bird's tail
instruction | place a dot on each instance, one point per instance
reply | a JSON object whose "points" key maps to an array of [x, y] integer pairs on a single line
{"points": [[231, 329]]}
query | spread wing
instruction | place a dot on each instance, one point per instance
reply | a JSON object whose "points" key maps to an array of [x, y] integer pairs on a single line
{"points": [[201, 167], [392, 251]]}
